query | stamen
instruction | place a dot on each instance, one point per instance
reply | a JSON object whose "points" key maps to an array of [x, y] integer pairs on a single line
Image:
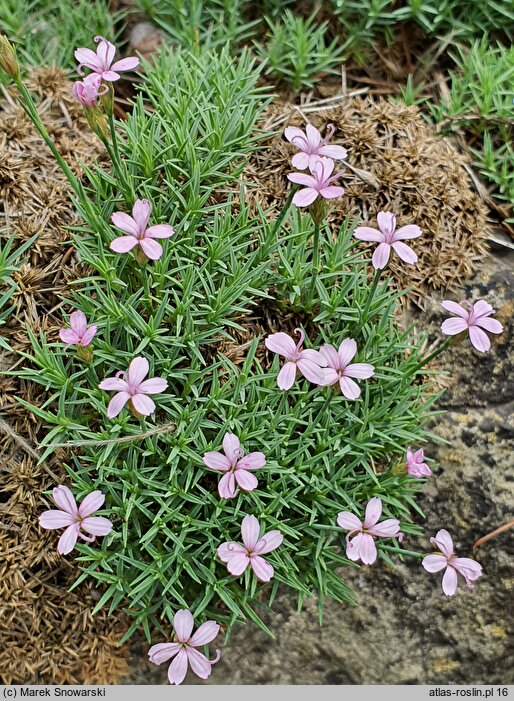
{"points": [[302, 336]]}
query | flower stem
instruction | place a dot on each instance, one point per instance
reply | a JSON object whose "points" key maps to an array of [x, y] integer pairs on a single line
{"points": [[315, 259], [434, 354], [114, 153]]}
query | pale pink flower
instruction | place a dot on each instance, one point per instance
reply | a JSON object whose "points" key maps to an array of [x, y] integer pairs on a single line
{"points": [[362, 546], [235, 465], [416, 467], [101, 62], [446, 558], [312, 145], [80, 334], [318, 183], [339, 369], [132, 387], [237, 556], [473, 320], [75, 518], [88, 91], [184, 651], [140, 234], [308, 362], [388, 236]]}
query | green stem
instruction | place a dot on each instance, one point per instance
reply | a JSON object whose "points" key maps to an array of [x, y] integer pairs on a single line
{"points": [[285, 208], [434, 354], [372, 291], [114, 152], [31, 110], [315, 259]]}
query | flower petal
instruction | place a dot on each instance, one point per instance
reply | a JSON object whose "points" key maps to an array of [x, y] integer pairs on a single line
{"points": [[69, 337], [78, 322], [205, 634], [151, 248], [479, 339], [178, 668], [362, 371], [262, 568], [482, 307], [470, 569], [405, 252], [232, 447], [68, 539], [348, 521], [228, 550], [126, 64], [305, 197], [269, 541], [227, 486], [386, 222], [94, 501], [368, 549], [491, 325], [113, 383], [88, 58], [97, 525], [183, 623], [246, 480], [282, 344], [380, 256], [444, 542], [302, 179], [353, 548], [314, 356], [252, 461], [294, 133], [411, 231], [286, 376], [162, 652], [116, 404], [332, 151], [89, 335], [331, 192], [300, 160], [250, 531], [141, 214], [449, 581], [346, 352], [125, 222], [453, 326], [155, 385], [56, 519], [373, 512], [143, 404], [137, 371], [434, 563], [160, 231], [455, 308], [216, 461], [330, 355], [313, 136], [123, 244], [65, 500], [200, 665], [238, 564], [366, 233], [311, 371], [349, 388], [386, 529]]}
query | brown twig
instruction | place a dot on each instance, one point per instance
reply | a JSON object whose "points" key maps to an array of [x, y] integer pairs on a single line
{"points": [[497, 531]]}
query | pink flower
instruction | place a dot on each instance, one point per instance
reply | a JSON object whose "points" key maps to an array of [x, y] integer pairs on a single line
{"points": [[184, 651], [139, 232], [319, 183], [88, 91], [416, 467], [387, 237], [79, 334], [312, 145], [235, 466], [362, 546], [473, 320], [75, 518], [131, 388], [308, 362], [339, 370], [446, 558], [101, 62], [238, 557]]}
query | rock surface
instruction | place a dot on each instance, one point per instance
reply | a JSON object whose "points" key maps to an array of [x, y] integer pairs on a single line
{"points": [[404, 630]]}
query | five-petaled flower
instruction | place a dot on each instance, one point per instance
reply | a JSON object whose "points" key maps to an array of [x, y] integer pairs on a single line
{"points": [[309, 362], [132, 387], [184, 651], [362, 545], [474, 320], [339, 369], [416, 465], [101, 62], [312, 145], [75, 518], [139, 233], [446, 558], [80, 334], [236, 465], [318, 183], [237, 556], [388, 236], [88, 90]]}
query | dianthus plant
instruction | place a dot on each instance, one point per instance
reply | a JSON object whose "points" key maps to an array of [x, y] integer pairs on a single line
{"points": [[185, 357]]}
